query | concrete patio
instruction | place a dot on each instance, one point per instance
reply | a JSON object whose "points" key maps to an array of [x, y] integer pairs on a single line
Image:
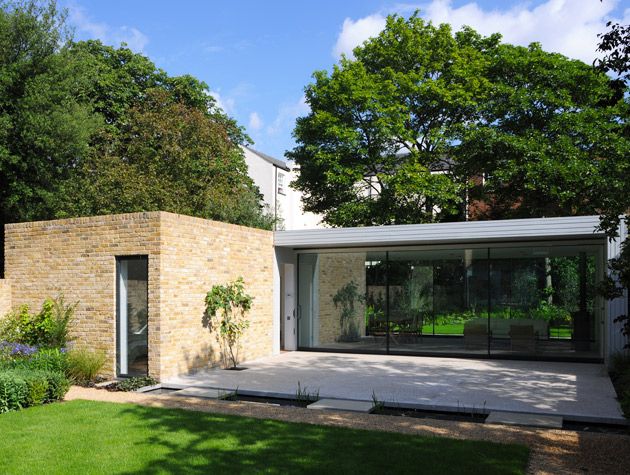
{"points": [[577, 391]]}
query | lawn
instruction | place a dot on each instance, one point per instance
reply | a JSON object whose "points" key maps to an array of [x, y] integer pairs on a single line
{"points": [[95, 437]]}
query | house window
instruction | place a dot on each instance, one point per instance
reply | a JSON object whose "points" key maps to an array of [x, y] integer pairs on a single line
{"points": [[281, 188]]}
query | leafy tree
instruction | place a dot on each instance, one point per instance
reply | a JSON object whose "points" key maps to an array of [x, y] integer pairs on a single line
{"points": [[616, 44], [549, 129], [86, 128], [226, 306], [540, 128], [380, 124], [44, 127], [614, 190]]}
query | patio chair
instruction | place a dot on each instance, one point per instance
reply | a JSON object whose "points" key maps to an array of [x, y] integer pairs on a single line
{"points": [[523, 338], [475, 336]]}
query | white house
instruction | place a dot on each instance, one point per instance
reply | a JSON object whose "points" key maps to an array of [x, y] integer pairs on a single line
{"points": [[272, 176]]}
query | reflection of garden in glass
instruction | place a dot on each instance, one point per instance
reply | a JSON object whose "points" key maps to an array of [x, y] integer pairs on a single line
{"points": [[480, 300]]}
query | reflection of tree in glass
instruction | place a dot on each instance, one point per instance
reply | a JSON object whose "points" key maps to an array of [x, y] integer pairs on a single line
{"points": [[346, 297]]}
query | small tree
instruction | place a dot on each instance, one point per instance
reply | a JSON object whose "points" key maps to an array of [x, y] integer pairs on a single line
{"points": [[345, 298], [226, 306]]}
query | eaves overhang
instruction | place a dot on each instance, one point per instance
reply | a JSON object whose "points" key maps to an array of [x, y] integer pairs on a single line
{"points": [[575, 227]]}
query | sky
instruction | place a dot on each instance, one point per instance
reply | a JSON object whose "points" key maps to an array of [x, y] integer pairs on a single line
{"points": [[257, 56]]}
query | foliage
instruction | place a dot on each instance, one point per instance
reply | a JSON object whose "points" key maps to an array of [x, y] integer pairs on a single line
{"points": [[545, 132], [86, 128], [304, 396], [620, 376], [132, 384], [346, 297], [551, 313], [616, 44], [84, 365], [16, 350], [616, 282], [49, 328], [613, 191], [226, 306], [45, 359], [549, 132], [380, 124], [21, 388]]}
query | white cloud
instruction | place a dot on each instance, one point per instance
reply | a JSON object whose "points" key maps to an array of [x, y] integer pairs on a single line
{"points": [[565, 26], [227, 104], [132, 37], [255, 122], [287, 113], [354, 33]]}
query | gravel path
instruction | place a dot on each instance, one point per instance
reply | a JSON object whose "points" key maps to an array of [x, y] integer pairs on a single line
{"points": [[552, 451]]}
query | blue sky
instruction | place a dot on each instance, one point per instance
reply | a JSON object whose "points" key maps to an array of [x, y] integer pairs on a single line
{"points": [[257, 56]]}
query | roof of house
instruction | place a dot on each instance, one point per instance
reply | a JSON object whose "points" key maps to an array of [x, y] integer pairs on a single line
{"points": [[577, 227], [269, 159]]}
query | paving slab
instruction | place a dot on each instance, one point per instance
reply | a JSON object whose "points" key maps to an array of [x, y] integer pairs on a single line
{"points": [[521, 419], [342, 405], [208, 393], [577, 391]]}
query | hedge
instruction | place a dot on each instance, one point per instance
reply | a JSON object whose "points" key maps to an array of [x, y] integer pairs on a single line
{"points": [[20, 388]]}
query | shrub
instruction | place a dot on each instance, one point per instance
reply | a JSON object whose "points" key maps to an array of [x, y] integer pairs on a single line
{"points": [[49, 359], [133, 384], [48, 328], [15, 350], [58, 386], [37, 386], [620, 376], [226, 306], [21, 388], [84, 365], [13, 391]]}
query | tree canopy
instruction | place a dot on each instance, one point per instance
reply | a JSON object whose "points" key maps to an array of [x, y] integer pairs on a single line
{"points": [[421, 111], [87, 128]]}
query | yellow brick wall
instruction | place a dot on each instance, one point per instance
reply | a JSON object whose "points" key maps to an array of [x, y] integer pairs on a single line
{"points": [[77, 257], [335, 271], [198, 254], [5, 297]]}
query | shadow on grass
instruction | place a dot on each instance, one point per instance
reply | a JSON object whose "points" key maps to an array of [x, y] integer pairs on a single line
{"points": [[200, 443]]}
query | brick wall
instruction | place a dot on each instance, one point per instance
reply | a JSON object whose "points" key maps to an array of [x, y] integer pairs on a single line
{"points": [[335, 271], [5, 297], [196, 255], [77, 257], [186, 257]]}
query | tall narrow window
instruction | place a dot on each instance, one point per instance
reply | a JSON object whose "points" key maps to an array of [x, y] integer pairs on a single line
{"points": [[133, 316], [281, 189]]}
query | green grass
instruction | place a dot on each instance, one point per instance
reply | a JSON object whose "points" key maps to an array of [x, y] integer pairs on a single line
{"points": [[94, 437], [444, 329]]}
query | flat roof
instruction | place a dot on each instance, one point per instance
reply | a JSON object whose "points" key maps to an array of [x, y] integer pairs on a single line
{"points": [[574, 227]]}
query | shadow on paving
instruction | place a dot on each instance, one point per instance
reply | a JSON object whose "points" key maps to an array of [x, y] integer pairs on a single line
{"points": [[522, 386], [194, 443]]}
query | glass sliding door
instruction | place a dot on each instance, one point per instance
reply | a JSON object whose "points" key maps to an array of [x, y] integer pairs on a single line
{"points": [[341, 301], [132, 316], [543, 301], [526, 300], [437, 301]]}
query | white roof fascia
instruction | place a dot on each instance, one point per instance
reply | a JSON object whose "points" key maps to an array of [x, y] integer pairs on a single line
{"points": [[575, 227]]}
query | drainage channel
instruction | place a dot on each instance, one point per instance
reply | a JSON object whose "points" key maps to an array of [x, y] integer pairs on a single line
{"points": [[476, 416]]}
